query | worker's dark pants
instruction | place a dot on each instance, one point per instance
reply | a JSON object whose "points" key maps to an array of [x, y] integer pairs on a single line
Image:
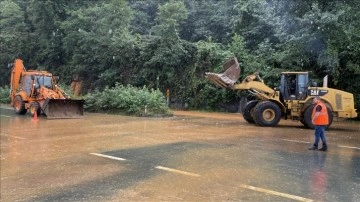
{"points": [[320, 134]]}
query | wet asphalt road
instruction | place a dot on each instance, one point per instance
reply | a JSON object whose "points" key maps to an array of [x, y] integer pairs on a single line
{"points": [[191, 156]]}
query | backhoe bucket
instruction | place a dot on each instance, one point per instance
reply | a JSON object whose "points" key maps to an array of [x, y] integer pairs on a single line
{"points": [[230, 75], [63, 108]]}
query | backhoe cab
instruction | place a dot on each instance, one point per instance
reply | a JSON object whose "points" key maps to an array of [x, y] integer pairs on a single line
{"points": [[292, 99]]}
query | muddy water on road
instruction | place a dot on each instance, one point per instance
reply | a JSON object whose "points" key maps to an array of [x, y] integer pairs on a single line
{"points": [[50, 159]]}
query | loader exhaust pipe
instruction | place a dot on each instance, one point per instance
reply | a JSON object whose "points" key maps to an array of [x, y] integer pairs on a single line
{"points": [[63, 108]]}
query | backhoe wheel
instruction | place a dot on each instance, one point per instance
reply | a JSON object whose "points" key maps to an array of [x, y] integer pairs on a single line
{"points": [[306, 120], [247, 111], [267, 114], [34, 107], [19, 105]]}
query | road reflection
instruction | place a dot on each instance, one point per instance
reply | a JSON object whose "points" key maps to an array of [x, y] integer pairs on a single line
{"points": [[318, 175]]}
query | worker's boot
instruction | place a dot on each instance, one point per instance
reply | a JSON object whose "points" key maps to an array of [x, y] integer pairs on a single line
{"points": [[314, 147], [323, 148]]}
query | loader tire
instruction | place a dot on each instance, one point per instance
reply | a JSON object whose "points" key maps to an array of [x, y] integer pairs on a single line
{"points": [[19, 105], [267, 114], [247, 111], [306, 120], [34, 107], [302, 120]]}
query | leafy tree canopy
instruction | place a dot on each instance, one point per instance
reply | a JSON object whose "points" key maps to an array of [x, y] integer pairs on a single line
{"points": [[170, 44]]}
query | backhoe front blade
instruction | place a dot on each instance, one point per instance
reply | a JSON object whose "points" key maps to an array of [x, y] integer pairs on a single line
{"points": [[63, 108]]}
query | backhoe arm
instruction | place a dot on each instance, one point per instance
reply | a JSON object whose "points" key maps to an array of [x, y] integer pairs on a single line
{"points": [[16, 72]]}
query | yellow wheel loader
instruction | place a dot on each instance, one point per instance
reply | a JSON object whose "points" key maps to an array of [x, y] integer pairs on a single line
{"points": [[38, 92], [293, 99]]}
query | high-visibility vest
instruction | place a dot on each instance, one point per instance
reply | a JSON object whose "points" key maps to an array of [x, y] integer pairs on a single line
{"points": [[323, 118]]}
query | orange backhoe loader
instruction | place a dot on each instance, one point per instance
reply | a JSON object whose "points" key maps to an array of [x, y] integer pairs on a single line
{"points": [[293, 98], [38, 92]]}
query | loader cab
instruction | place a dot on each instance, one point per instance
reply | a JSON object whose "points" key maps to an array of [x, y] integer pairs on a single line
{"points": [[293, 85]]}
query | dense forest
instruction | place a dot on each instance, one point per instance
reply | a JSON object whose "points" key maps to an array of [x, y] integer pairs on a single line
{"points": [[170, 44]]}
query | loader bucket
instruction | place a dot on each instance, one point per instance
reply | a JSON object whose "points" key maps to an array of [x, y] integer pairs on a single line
{"points": [[63, 108], [230, 75]]}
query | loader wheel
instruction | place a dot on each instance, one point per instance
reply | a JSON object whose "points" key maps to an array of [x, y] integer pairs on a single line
{"points": [[267, 114], [247, 111], [34, 107], [19, 105], [307, 117], [306, 120], [331, 117], [302, 120]]}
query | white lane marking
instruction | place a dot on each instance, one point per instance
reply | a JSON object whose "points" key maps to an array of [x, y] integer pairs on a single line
{"points": [[295, 141], [343, 146], [16, 137], [109, 157], [12, 136], [177, 171], [158, 167], [348, 147], [5, 116], [6, 108], [298, 198]]}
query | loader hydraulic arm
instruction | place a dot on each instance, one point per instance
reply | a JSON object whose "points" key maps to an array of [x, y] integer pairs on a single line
{"points": [[252, 83], [256, 86], [61, 92]]}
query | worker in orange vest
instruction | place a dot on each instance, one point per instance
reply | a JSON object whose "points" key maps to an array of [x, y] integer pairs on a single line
{"points": [[320, 119]]}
